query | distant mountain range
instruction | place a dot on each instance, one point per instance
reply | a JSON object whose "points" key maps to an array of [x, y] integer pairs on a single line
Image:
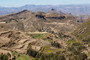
{"points": [[71, 9]]}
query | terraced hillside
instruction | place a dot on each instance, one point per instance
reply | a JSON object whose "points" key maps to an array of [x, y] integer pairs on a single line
{"points": [[43, 36]]}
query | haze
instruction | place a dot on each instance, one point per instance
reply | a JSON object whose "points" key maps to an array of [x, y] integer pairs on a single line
{"points": [[17, 3]]}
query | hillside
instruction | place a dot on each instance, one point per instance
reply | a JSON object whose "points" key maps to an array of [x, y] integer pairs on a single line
{"points": [[83, 31], [30, 35], [40, 21]]}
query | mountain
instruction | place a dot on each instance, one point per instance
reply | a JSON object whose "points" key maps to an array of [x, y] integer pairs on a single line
{"points": [[70, 9], [37, 35], [40, 21]]}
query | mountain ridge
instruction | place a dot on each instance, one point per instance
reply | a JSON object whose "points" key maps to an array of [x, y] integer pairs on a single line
{"points": [[37, 21], [73, 9]]}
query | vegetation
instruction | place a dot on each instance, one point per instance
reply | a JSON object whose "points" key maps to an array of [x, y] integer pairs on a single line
{"points": [[32, 52], [76, 48], [37, 35], [56, 44], [42, 56], [69, 42], [3, 57], [49, 51], [23, 57], [15, 53], [61, 35], [18, 56], [83, 32]]}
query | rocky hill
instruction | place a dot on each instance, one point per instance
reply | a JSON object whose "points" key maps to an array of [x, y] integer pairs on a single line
{"points": [[40, 21]]}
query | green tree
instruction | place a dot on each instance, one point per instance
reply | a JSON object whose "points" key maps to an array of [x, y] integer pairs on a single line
{"points": [[3, 57]]}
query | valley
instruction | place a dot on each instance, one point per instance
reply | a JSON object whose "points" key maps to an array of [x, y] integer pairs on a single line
{"points": [[28, 35]]}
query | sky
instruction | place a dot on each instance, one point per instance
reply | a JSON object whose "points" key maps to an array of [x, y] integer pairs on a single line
{"points": [[17, 3]]}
